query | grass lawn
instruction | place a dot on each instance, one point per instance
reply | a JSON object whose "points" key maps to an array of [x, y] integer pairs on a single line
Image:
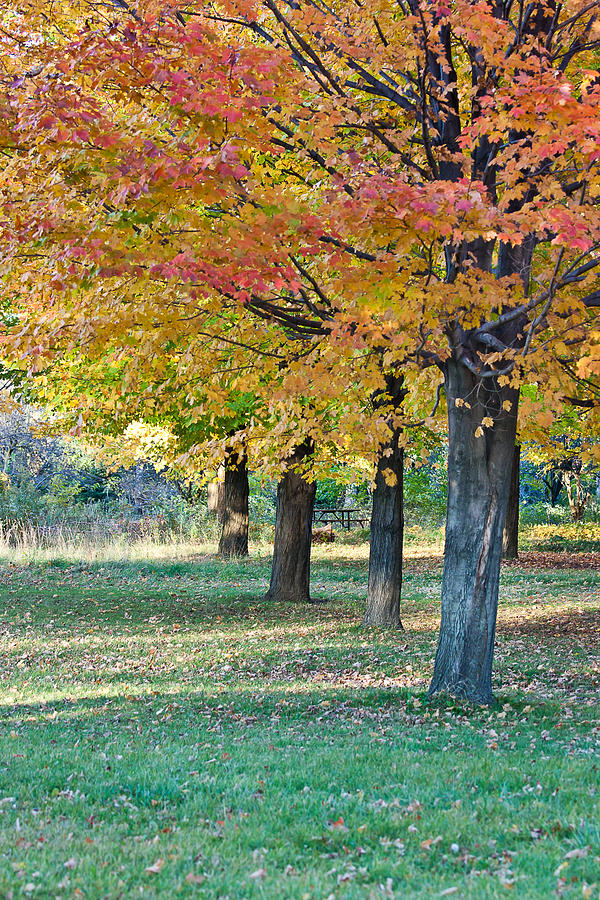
{"points": [[164, 733]]}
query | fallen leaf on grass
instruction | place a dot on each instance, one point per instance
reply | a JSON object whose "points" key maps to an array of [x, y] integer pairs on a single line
{"points": [[430, 842], [578, 853], [338, 825], [260, 873], [156, 867], [448, 891]]}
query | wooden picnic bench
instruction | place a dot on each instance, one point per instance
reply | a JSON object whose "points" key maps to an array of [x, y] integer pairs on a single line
{"points": [[345, 518]]}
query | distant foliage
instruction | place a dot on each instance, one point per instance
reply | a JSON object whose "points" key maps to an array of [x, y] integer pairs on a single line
{"points": [[570, 536], [425, 491]]}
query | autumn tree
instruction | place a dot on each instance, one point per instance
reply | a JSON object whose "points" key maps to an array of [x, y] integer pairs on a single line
{"points": [[419, 184]]}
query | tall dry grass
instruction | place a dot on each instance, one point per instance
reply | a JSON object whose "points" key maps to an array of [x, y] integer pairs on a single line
{"points": [[96, 540]]}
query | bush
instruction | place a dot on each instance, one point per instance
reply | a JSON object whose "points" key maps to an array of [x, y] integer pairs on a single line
{"points": [[570, 536], [21, 503], [263, 501], [541, 513], [425, 491]]}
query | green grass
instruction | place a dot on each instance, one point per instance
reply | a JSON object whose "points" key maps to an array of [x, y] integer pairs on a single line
{"points": [[164, 733]]}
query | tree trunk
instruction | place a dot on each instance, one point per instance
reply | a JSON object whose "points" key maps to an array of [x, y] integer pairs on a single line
{"points": [[216, 495], [387, 532], [579, 497], [350, 495], [510, 540], [479, 465], [234, 537], [290, 572], [554, 485]]}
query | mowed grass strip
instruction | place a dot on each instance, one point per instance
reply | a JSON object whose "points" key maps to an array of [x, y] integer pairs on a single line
{"points": [[164, 733]]}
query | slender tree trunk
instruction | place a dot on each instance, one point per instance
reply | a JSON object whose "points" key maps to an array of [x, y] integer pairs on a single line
{"points": [[234, 537], [290, 572], [216, 495], [478, 487], [350, 495], [387, 533], [554, 485], [576, 494], [387, 521], [510, 540]]}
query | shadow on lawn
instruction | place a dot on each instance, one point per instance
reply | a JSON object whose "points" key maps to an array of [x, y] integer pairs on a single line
{"points": [[549, 625], [248, 703]]}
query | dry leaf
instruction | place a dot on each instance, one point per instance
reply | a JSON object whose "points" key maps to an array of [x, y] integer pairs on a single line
{"points": [[578, 853], [156, 867], [430, 842]]}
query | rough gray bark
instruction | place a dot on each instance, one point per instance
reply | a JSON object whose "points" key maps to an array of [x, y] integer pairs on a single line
{"points": [[478, 487], [510, 539], [290, 572], [387, 533], [234, 537]]}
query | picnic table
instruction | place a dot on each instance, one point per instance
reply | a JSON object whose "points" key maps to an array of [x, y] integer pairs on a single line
{"points": [[345, 518]]}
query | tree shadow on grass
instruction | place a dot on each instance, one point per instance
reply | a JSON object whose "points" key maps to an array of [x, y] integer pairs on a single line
{"points": [[550, 625]]}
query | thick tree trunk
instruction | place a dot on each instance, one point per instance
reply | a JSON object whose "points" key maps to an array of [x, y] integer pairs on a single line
{"points": [[479, 464], [234, 537], [387, 532], [510, 540], [290, 572]]}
